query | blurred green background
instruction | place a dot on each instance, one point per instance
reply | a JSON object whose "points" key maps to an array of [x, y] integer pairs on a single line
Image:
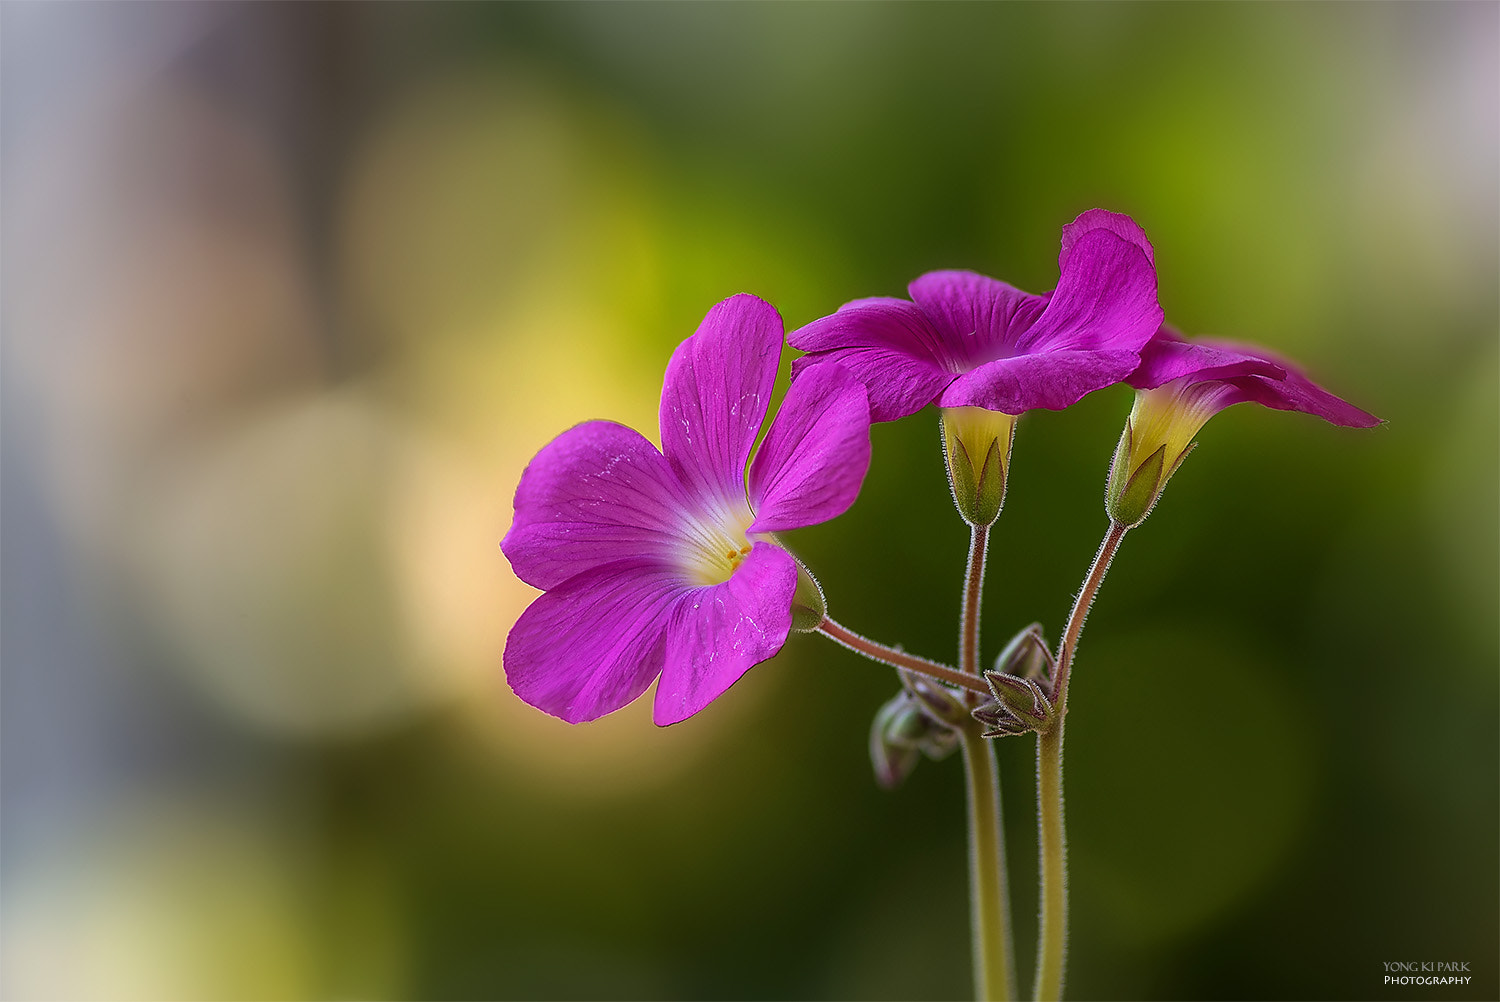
{"points": [[293, 292]]}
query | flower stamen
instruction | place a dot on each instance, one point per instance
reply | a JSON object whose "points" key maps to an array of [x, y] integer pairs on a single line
{"points": [[715, 546]]}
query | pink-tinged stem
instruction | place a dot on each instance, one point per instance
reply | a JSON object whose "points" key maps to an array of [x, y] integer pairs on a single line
{"points": [[898, 659], [1081, 606], [968, 632], [989, 896], [1053, 942]]}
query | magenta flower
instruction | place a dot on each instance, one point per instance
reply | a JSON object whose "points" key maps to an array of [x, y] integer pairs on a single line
{"points": [[965, 340], [1181, 384], [661, 563]]}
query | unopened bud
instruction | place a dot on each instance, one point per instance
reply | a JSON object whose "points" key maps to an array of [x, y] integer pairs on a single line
{"points": [[976, 450], [901, 734], [1027, 656], [943, 703], [1023, 698], [998, 721], [892, 764]]}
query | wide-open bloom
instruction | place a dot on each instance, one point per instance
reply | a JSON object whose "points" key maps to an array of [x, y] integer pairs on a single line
{"points": [[1181, 384], [661, 563], [964, 340]]}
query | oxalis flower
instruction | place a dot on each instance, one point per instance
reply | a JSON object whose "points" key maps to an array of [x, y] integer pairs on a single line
{"points": [[986, 352], [661, 563], [1181, 384]]}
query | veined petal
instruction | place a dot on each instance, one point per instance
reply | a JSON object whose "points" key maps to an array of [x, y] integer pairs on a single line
{"points": [[1246, 373], [597, 493], [1048, 379], [1117, 223], [1298, 393], [889, 345], [720, 632], [717, 389], [979, 318], [879, 321], [1105, 299], [898, 385], [1168, 357], [815, 455], [595, 642]]}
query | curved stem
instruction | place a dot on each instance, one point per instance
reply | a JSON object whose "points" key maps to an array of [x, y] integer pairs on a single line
{"points": [[898, 659], [1081, 606], [1052, 943], [994, 960]]}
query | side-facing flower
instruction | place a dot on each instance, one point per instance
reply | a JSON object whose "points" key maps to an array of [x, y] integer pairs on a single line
{"points": [[1180, 385], [972, 344], [661, 563]]}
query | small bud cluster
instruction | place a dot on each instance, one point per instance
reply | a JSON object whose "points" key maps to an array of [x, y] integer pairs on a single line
{"points": [[922, 719], [1022, 683]]}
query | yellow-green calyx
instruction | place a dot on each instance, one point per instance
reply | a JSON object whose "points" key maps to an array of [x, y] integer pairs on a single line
{"points": [[1157, 438], [976, 449], [808, 606]]}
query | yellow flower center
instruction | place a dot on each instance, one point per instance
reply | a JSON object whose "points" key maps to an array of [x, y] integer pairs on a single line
{"points": [[716, 546]]}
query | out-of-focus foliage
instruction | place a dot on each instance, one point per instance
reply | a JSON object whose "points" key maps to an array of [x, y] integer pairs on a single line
{"points": [[293, 292]]}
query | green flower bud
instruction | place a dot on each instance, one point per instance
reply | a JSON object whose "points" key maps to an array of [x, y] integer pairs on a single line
{"points": [[901, 733], [1023, 698], [999, 722], [1027, 656], [976, 450], [941, 702], [893, 741]]}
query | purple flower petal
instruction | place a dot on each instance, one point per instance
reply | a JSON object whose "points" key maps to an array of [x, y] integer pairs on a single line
{"points": [[1117, 223], [1051, 380], [1290, 391], [596, 494], [594, 643], [887, 344], [815, 455], [1169, 357], [979, 317], [1244, 374], [1297, 393], [717, 389], [720, 632], [1104, 300]]}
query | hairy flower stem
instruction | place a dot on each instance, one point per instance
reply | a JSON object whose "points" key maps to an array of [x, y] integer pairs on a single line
{"points": [[989, 897], [1053, 941], [968, 631], [994, 959], [898, 659]]}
